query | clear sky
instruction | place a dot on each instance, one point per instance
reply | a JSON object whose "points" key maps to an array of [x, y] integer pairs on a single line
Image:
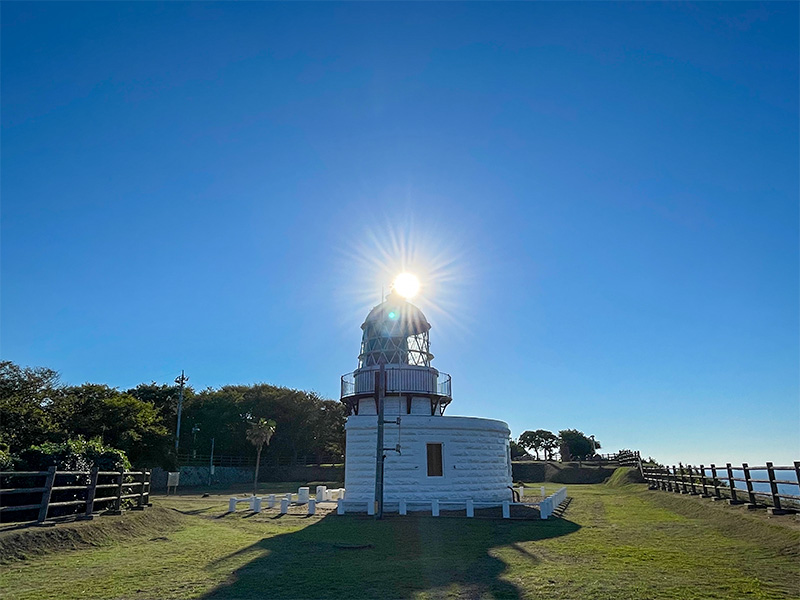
{"points": [[601, 200]]}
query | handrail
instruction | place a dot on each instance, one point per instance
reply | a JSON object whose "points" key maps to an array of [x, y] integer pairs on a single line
{"points": [[402, 379]]}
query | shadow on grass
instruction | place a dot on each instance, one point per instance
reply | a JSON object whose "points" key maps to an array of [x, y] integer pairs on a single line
{"points": [[357, 557]]}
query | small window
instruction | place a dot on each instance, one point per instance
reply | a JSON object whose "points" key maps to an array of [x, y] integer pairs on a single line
{"points": [[435, 467]]}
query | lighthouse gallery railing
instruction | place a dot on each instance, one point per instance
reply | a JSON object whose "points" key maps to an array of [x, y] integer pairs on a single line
{"points": [[399, 380]]}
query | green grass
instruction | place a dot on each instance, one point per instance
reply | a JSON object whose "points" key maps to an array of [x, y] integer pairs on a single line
{"points": [[614, 542]]}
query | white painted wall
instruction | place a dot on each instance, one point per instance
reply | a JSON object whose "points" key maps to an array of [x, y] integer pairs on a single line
{"points": [[475, 455], [394, 406]]}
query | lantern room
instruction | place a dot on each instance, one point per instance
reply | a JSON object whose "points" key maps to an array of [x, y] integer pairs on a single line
{"points": [[395, 336], [395, 333]]}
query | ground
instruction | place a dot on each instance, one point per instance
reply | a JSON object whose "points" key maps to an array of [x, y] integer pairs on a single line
{"points": [[613, 542]]}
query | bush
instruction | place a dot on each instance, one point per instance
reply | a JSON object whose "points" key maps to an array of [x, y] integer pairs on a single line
{"points": [[6, 461], [74, 455]]}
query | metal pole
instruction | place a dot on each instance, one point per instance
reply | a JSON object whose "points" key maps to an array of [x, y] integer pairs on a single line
{"points": [[211, 464], [180, 381], [379, 395]]}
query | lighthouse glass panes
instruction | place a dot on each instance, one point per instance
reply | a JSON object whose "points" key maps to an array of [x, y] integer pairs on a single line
{"points": [[395, 333], [402, 350]]}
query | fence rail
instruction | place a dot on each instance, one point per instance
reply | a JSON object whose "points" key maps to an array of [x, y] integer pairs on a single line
{"points": [[306, 460], [19, 488], [719, 483]]}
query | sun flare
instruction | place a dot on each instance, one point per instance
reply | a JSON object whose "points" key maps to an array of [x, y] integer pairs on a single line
{"points": [[406, 284]]}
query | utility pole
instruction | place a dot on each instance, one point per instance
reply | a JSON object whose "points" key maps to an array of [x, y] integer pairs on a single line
{"points": [[380, 381], [181, 381]]}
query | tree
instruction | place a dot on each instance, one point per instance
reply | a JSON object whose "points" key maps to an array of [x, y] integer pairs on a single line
{"points": [[25, 398], [535, 440], [260, 433], [517, 451], [549, 443], [576, 444], [118, 419]]}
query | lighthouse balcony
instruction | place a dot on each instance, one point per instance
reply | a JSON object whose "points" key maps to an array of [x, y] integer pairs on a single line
{"points": [[400, 380]]}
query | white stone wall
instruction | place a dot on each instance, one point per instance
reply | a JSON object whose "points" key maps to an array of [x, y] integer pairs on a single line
{"points": [[476, 459], [395, 405]]}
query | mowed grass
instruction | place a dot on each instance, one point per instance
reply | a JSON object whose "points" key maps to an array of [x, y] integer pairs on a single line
{"points": [[613, 542]]}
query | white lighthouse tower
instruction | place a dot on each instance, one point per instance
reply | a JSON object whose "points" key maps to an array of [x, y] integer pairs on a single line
{"points": [[424, 455]]}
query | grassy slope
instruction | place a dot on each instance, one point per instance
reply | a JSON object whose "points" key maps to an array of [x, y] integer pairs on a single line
{"points": [[615, 543]]}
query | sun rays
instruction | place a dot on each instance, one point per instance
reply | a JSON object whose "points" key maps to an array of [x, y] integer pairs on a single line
{"points": [[428, 266]]}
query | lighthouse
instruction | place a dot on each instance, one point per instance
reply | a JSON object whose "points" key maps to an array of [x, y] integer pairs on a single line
{"points": [[400, 444]]}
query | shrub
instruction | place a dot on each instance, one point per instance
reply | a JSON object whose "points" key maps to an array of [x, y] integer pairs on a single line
{"points": [[76, 454], [6, 460]]}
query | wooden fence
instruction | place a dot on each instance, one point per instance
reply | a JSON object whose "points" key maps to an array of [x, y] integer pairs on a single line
{"points": [[629, 458], [64, 493], [719, 483]]}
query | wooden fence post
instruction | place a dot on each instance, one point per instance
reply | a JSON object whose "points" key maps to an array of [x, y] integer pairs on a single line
{"points": [[703, 481], [691, 480], [149, 476], [749, 485], [685, 489], [90, 492], [46, 494], [716, 481], [776, 499], [118, 501], [140, 499], [797, 473], [675, 486], [732, 483]]}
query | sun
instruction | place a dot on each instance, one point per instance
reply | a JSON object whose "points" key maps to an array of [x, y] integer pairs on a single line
{"points": [[406, 284]]}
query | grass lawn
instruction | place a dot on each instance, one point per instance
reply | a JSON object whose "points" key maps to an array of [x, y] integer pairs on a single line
{"points": [[613, 542]]}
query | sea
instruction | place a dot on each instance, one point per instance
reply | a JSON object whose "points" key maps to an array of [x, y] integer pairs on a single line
{"points": [[783, 488]]}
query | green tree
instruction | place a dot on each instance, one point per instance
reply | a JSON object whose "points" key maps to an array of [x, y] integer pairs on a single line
{"points": [[574, 444], [329, 435], [517, 451], [25, 397], [535, 440], [118, 419], [260, 433], [549, 443], [160, 450], [310, 425]]}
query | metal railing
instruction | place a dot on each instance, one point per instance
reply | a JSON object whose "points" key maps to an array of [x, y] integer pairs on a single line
{"points": [[302, 460], [406, 379]]}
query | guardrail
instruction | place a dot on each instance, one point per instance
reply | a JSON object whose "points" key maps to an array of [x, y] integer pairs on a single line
{"points": [[87, 489], [549, 505], [303, 460], [406, 379], [546, 506], [719, 483]]}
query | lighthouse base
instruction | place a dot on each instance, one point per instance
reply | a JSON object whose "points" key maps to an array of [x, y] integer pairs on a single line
{"points": [[444, 458]]}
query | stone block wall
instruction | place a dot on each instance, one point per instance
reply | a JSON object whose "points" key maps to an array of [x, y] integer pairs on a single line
{"points": [[476, 461]]}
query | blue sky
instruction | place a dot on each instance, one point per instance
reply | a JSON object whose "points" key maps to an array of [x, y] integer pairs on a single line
{"points": [[601, 200]]}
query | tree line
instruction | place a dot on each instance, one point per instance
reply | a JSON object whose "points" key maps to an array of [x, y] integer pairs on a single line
{"points": [[570, 444], [36, 408]]}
